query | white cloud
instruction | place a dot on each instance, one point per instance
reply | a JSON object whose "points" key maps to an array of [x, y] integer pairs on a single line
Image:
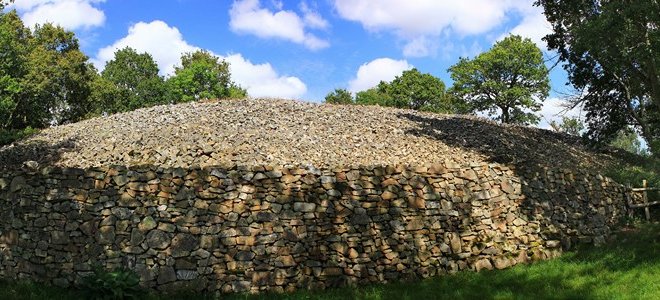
{"points": [[424, 20], [312, 18], [261, 80], [419, 47], [70, 14], [553, 109], [166, 45], [247, 16], [371, 73], [533, 25]]}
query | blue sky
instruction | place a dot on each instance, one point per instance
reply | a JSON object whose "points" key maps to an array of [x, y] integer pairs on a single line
{"points": [[301, 49]]}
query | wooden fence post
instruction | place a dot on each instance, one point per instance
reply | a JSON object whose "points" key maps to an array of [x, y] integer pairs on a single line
{"points": [[629, 200], [646, 201]]}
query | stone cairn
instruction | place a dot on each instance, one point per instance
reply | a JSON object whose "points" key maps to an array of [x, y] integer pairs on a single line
{"points": [[281, 228]]}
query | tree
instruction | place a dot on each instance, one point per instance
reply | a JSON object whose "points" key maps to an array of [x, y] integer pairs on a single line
{"points": [[14, 38], [411, 90], [510, 77], [417, 91], [374, 96], [628, 140], [339, 96], [612, 53], [55, 83], [135, 77], [568, 125], [202, 75], [3, 3]]}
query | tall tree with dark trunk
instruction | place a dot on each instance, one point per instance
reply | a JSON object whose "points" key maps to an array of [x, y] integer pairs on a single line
{"points": [[510, 78], [612, 53]]}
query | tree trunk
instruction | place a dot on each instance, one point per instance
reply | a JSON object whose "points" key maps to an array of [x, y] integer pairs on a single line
{"points": [[505, 115]]}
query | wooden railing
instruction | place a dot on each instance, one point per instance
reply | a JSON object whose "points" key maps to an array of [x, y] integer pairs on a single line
{"points": [[645, 199]]}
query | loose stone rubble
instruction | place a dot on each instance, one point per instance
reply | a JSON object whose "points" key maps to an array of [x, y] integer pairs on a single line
{"points": [[273, 195], [283, 132]]}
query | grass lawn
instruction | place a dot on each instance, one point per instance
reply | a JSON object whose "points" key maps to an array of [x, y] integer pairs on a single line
{"points": [[626, 268]]}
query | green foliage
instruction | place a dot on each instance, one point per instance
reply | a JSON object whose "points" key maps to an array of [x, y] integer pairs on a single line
{"points": [[118, 284], [202, 75], [3, 3], [417, 91], [374, 96], [237, 92], [510, 78], [611, 50], [13, 39], [411, 90], [568, 125], [135, 79], [628, 140], [8, 136], [44, 77], [339, 96]]}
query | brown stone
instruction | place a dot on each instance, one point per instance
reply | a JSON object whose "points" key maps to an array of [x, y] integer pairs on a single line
{"points": [[483, 264]]}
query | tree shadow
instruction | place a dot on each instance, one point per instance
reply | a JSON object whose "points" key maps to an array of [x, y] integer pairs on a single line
{"points": [[505, 144], [14, 156]]}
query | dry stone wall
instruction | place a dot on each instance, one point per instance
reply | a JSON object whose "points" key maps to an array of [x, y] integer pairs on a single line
{"points": [[284, 228]]}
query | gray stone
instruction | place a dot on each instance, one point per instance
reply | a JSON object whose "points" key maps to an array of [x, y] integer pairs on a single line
{"points": [[304, 206], [120, 180], [106, 235], [148, 223], [244, 255], [17, 184], [158, 239], [166, 274], [137, 237], [186, 274], [121, 213], [240, 286], [183, 244]]}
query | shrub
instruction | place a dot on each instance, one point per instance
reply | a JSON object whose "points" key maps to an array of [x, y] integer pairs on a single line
{"points": [[120, 283]]}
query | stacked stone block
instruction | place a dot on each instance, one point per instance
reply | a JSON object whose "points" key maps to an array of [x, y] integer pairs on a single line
{"points": [[281, 228]]}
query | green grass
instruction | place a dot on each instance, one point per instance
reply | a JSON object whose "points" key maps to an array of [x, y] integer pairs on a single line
{"points": [[628, 267]]}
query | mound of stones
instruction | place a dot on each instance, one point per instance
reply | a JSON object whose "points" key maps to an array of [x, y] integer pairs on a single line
{"points": [[257, 132]]}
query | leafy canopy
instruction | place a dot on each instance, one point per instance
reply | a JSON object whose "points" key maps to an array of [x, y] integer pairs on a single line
{"points": [[510, 78], [129, 81], [44, 77], [202, 75], [412, 90], [568, 125], [339, 96], [612, 53]]}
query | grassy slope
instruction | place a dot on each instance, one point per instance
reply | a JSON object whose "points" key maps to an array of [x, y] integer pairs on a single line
{"points": [[626, 268]]}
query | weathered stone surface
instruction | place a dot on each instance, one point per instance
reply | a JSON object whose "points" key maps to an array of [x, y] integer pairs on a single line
{"points": [[483, 264], [158, 239], [304, 206], [251, 227], [148, 223], [106, 235], [183, 244], [166, 274], [17, 184]]}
